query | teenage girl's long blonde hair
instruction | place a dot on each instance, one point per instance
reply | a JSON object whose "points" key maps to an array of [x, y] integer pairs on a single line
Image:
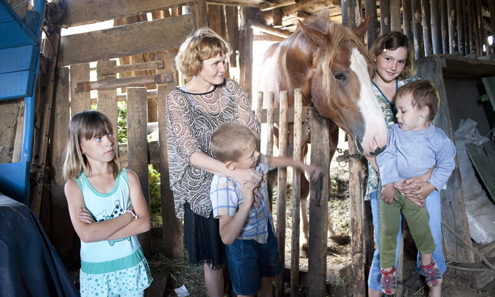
{"points": [[85, 125]]}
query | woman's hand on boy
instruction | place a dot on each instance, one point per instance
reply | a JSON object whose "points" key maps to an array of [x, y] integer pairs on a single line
{"points": [[249, 175], [86, 216]]}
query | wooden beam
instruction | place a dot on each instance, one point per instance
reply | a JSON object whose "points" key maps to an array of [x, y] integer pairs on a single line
{"points": [[138, 38], [79, 101], [445, 27], [384, 16], [246, 3], [395, 19], [172, 227], [137, 148], [417, 32], [270, 30], [81, 12], [452, 20], [132, 81], [370, 9], [407, 19], [107, 98], [436, 27], [268, 37], [200, 13], [426, 19], [132, 67], [280, 3], [318, 208]]}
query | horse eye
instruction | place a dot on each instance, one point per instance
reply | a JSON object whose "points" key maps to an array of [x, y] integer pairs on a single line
{"points": [[339, 76]]}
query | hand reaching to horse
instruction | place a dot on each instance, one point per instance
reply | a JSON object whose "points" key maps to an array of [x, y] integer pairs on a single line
{"points": [[314, 171]]}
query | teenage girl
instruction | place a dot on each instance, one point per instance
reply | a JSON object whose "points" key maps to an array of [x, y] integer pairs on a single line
{"points": [[393, 56], [107, 210]]}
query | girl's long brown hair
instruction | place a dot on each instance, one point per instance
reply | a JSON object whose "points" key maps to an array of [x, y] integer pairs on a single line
{"points": [[85, 125]]}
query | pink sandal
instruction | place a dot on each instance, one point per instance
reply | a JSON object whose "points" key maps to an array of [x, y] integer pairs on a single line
{"points": [[388, 283], [432, 274]]}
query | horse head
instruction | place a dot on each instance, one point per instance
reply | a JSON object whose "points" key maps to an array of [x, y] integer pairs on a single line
{"points": [[331, 66]]}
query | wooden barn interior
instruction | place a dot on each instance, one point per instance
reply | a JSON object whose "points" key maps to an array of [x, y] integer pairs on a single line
{"points": [[117, 56]]}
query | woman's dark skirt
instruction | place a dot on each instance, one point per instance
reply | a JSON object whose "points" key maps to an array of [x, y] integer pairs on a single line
{"points": [[202, 239]]}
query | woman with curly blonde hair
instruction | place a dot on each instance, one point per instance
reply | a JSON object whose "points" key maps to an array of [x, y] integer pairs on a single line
{"points": [[193, 111]]}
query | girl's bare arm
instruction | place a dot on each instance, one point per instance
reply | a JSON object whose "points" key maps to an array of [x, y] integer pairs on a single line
{"points": [[90, 232]]}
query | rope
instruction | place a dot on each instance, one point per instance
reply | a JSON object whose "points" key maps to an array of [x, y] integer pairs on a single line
{"points": [[483, 259]]}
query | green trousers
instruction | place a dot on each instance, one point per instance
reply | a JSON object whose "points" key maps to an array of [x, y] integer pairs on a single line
{"points": [[417, 220]]}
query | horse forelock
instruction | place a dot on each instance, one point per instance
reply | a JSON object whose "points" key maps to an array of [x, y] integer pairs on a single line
{"points": [[338, 34]]}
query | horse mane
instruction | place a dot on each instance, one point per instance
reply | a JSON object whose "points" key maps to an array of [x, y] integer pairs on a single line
{"points": [[336, 33]]}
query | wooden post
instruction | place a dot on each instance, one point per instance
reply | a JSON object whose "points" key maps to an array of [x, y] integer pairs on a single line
{"points": [[282, 188], [318, 207], [426, 17], [347, 13], [460, 27], [370, 9], [357, 14], [395, 20], [137, 148], [172, 226], [492, 26], [452, 24], [269, 123], [408, 19], [214, 19], [444, 23], [436, 28], [277, 15], [356, 212], [476, 32], [79, 101], [296, 195], [44, 110], [233, 32], [107, 99], [418, 38], [259, 108], [200, 13], [470, 44], [62, 233], [384, 16]]}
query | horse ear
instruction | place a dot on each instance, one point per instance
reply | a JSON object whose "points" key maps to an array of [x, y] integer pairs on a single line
{"points": [[314, 36], [361, 29]]}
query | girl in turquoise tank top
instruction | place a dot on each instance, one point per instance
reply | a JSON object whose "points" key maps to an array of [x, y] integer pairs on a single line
{"points": [[107, 209]]}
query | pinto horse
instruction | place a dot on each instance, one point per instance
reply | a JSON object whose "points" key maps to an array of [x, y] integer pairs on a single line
{"points": [[330, 64]]}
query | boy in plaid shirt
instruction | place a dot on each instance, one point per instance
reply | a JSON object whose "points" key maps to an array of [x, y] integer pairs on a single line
{"points": [[247, 231]]}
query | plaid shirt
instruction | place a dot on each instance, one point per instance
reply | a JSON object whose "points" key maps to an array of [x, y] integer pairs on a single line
{"points": [[226, 198]]}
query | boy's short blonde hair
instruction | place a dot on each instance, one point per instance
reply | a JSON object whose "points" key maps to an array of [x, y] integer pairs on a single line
{"points": [[230, 140], [424, 93], [202, 45]]}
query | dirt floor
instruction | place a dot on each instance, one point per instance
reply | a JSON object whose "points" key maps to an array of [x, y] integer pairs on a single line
{"points": [[338, 257]]}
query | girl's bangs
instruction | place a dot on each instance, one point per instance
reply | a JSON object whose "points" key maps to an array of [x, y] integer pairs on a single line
{"points": [[95, 126]]}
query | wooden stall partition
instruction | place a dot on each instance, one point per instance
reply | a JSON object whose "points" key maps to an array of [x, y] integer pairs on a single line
{"points": [[370, 9], [436, 28], [444, 24], [460, 27], [296, 195], [79, 101], [56, 221], [173, 246], [384, 16], [318, 207], [270, 120], [395, 17], [426, 20], [137, 148], [453, 209], [417, 31], [356, 194], [347, 14], [282, 187], [107, 99], [452, 24], [407, 16]]}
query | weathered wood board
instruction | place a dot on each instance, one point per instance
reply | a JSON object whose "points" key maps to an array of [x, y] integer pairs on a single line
{"points": [[138, 38], [483, 158], [8, 121], [80, 12]]}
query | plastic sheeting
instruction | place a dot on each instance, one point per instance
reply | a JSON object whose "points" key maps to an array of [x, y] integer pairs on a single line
{"points": [[29, 265], [480, 209]]}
